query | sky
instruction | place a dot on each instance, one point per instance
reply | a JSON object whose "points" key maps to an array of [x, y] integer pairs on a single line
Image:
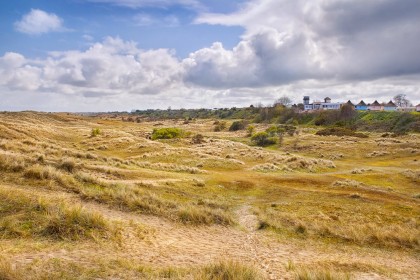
{"points": [[119, 55]]}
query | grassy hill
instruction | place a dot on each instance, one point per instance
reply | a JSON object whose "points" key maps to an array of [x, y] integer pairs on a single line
{"points": [[97, 198]]}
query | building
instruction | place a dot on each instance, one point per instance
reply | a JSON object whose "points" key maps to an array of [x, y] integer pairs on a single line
{"points": [[318, 105], [306, 105], [406, 109], [375, 106], [390, 106], [361, 106]]}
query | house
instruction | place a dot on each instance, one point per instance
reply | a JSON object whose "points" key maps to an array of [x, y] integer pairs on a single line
{"points": [[306, 105], [418, 108], [390, 106], [375, 106], [318, 105], [406, 109], [361, 106]]}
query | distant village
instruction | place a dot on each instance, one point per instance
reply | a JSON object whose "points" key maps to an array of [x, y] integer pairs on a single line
{"points": [[361, 106]]}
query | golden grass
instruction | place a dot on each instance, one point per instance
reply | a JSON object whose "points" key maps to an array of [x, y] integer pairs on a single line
{"points": [[24, 216], [316, 272], [338, 192], [228, 270], [126, 269]]}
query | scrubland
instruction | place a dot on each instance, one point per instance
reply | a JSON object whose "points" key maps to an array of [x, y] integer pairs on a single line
{"points": [[96, 198]]}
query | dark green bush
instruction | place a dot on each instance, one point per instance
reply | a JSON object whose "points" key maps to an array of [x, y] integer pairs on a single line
{"points": [[237, 125], [340, 131], [263, 139]]}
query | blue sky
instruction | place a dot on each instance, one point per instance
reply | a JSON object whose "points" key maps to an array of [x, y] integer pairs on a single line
{"points": [[169, 26], [106, 55]]}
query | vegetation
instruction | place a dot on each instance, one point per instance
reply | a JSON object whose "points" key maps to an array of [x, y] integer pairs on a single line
{"points": [[74, 206], [263, 139], [95, 132], [229, 270], [340, 131], [167, 133], [22, 215], [219, 125], [398, 122], [237, 125]]}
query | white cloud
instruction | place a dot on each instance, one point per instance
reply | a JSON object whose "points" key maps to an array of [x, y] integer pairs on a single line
{"points": [[112, 67], [341, 49], [318, 39], [38, 22], [16, 74]]}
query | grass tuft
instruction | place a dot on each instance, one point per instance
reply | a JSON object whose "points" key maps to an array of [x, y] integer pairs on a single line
{"points": [[22, 216], [228, 270]]}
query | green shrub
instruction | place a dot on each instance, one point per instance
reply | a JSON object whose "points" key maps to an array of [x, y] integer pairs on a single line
{"points": [[237, 125], [95, 132], [263, 139], [167, 133], [250, 130], [340, 131], [272, 130]]}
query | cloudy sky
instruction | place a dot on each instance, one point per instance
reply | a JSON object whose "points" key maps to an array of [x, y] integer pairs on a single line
{"points": [[109, 55]]}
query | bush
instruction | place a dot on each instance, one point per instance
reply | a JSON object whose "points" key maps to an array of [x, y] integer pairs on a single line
{"points": [[219, 126], [250, 130], [197, 139], [340, 131], [272, 130], [237, 125], [95, 132], [263, 139], [167, 133]]}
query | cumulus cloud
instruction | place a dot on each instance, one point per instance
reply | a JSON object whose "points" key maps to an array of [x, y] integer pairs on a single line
{"points": [[16, 74], [38, 22], [291, 41], [111, 67], [341, 49]]}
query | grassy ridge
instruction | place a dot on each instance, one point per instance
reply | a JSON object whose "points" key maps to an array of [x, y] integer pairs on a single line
{"points": [[23, 216]]}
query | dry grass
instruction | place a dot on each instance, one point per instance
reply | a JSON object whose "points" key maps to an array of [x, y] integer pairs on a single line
{"points": [[229, 270], [316, 272], [24, 216], [127, 269], [359, 195]]}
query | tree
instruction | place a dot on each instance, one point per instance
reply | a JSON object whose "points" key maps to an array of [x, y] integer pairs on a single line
{"points": [[284, 100], [401, 100], [347, 112]]}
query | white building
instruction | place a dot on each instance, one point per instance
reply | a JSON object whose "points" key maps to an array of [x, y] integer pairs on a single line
{"points": [[317, 105]]}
